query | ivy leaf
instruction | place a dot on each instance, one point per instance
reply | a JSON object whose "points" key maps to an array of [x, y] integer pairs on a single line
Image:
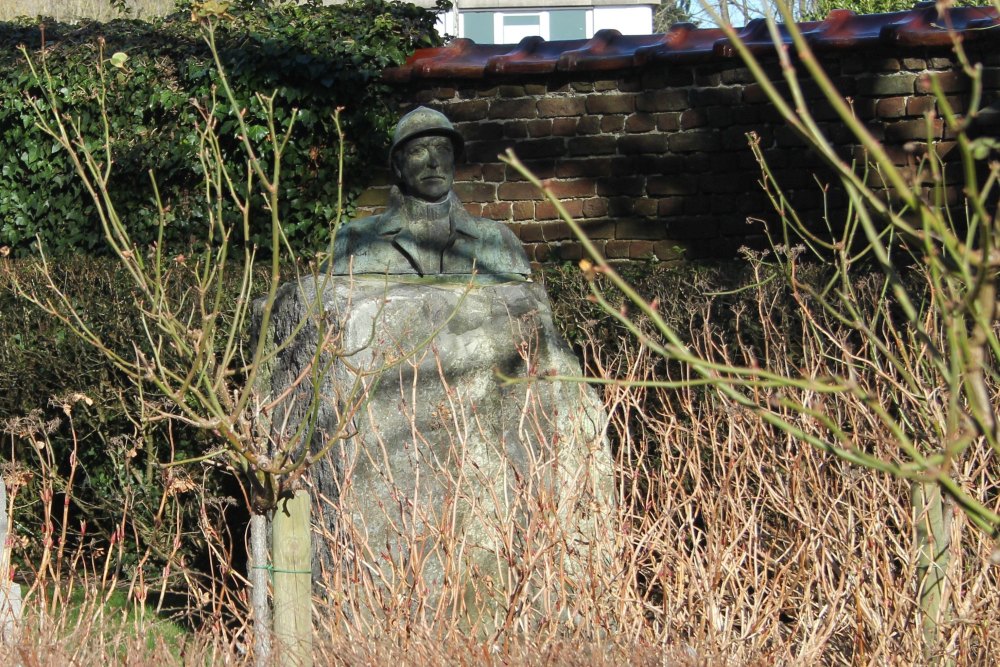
{"points": [[118, 60]]}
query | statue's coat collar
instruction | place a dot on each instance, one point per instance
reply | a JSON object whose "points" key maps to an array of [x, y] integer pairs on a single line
{"points": [[392, 226]]}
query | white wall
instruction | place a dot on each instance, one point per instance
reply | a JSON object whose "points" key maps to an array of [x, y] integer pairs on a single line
{"points": [[626, 20]]}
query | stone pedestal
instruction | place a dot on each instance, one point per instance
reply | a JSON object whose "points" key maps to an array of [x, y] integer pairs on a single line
{"points": [[443, 488], [10, 593]]}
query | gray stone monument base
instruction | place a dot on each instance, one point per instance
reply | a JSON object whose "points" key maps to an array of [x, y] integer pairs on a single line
{"points": [[10, 593], [453, 494], [10, 612]]}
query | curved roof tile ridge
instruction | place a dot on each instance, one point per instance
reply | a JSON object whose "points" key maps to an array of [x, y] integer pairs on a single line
{"points": [[610, 50]]}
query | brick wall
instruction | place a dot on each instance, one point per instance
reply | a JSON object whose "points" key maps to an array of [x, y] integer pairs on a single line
{"points": [[654, 161]]}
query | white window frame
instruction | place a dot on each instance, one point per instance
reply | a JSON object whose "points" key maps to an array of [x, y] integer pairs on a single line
{"points": [[498, 25]]}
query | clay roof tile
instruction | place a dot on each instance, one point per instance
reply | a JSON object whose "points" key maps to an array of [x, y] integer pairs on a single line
{"points": [[610, 50]]}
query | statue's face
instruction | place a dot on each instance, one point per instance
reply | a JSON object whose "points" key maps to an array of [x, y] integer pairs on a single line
{"points": [[426, 167]]}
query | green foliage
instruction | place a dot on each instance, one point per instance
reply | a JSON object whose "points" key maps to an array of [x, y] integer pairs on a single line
{"points": [[46, 370], [316, 58]]}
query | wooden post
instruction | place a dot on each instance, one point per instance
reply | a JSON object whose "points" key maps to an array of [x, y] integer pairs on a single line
{"points": [[933, 544], [10, 593], [292, 554], [258, 576]]}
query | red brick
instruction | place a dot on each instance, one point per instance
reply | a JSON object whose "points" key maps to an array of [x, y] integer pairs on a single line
{"points": [[511, 91], [480, 130], [640, 249], [588, 125], [541, 148], [616, 249], [494, 173], [918, 106], [662, 100], [560, 106], [474, 209], [498, 210], [539, 252], [539, 128], [991, 78], [532, 233], [599, 145], [485, 151], [553, 231], [468, 172], [640, 122], [668, 122], [476, 192], [373, 197], [596, 207], [468, 110], [643, 143], [645, 207], [667, 77], [639, 229], [517, 129], [539, 168], [885, 65], [546, 210], [621, 206], [694, 140], [574, 188], [720, 116], [610, 103], [722, 95], [595, 166], [670, 206], [950, 82], [612, 123], [631, 186], [629, 85], [666, 251], [569, 251], [910, 130], [519, 108], [693, 118], [707, 78], [599, 229], [564, 127], [754, 94], [523, 210], [890, 107], [518, 191], [671, 186]]}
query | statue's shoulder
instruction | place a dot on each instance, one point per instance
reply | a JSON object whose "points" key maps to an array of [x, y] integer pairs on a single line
{"points": [[354, 239], [360, 225], [499, 248]]}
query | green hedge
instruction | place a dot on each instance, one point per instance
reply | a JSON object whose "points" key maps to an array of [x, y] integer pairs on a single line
{"points": [[315, 58]]}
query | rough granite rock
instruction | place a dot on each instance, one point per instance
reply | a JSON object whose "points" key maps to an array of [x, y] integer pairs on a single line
{"points": [[10, 593], [447, 474]]}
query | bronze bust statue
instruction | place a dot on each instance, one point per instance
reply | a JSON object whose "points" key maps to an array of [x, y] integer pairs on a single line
{"points": [[425, 230]]}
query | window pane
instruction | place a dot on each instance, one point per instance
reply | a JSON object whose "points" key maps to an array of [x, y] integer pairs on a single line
{"points": [[568, 24], [479, 27], [530, 19]]}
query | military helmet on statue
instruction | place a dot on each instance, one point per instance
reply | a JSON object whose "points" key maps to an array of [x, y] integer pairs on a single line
{"points": [[422, 122]]}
